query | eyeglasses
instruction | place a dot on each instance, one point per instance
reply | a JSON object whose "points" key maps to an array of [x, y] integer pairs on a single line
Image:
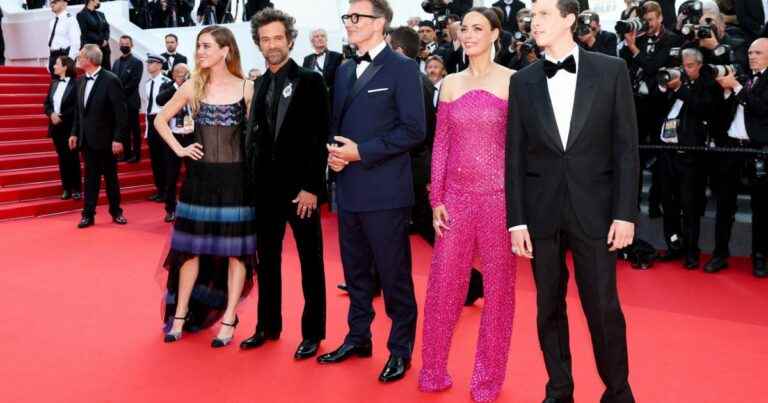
{"points": [[354, 18]]}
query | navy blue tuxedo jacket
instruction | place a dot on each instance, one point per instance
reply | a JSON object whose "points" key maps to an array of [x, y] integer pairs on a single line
{"points": [[383, 112]]}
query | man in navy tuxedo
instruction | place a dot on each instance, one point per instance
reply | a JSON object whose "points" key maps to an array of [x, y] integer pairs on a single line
{"points": [[378, 118]]}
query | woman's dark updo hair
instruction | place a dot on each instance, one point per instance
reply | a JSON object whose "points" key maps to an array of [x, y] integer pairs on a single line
{"points": [[492, 18]]}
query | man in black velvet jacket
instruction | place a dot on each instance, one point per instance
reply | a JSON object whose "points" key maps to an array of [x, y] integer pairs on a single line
{"points": [[285, 148]]}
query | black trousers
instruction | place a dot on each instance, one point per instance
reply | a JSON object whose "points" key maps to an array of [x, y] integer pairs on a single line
{"points": [[274, 213], [157, 155], [55, 54], [172, 171], [595, 269], [100, 163], [683, 186], [379, 239], [106, 60], [132, 143], [69, 160]]}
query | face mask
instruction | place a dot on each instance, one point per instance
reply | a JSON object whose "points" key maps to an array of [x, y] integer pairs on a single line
{"points": [[125, 49]]}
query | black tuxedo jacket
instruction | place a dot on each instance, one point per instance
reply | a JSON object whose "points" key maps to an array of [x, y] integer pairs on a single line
{"points": [[332, 62], [129, 70], [295, 158], [68, 107], [165, 93], [751, 17], [93, 27], [599, 167], [702, 102], [510, 21], [102, 119], [755, 103], [178, 58]]}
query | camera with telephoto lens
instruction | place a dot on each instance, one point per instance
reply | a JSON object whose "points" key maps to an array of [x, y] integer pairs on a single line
{"points": [[694, 31], [692, 11], [584, 23], [636, 24], [667, 74], [440, 13], [720, 70]]}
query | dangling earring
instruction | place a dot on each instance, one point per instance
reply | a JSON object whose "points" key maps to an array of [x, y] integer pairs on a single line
{"points": [[493, 52], [464, 55]]}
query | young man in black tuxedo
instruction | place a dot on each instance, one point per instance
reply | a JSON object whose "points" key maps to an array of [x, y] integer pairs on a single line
{"points": [[129, 69], [572, 184], [98, 130], [285, 145], [172, 58]]}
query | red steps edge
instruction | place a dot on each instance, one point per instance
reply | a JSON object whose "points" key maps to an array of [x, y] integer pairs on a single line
{"points": [[42, 207], [25, 78], [23, 70], [23, 121], [25, 88], [21, 109], [36, 160], [29, 192], [44, 174]]}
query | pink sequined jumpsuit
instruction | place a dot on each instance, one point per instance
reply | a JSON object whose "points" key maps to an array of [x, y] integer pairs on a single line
{"points": [[468, 178]]}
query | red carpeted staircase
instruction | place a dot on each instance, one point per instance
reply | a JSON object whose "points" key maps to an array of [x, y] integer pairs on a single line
{"points": [[29, 174]]}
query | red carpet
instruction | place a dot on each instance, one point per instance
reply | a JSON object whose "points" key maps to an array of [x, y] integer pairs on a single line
{"points": [[82, 312]]}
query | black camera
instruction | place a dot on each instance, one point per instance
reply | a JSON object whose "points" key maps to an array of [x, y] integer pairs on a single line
{"points": [[667, 74], [434, 6], [695, 31], [584, 23], [676, 54], [722, 70], [636, 24], [528, 46], [692, 10]]}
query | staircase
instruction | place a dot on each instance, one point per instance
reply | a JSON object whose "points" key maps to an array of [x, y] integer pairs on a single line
{"points": [[29, 173]]}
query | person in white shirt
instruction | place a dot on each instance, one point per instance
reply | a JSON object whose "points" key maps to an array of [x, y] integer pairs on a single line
{"points": [[436, 72], [60, 106], [572, 185], [157, 147], [63, 34]]}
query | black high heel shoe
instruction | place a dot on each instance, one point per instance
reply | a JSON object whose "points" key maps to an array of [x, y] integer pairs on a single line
{"points": [[172, 337], [217, 342]]}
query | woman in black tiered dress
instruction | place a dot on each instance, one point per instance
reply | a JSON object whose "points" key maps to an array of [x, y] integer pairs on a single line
{"points": [[213, 246]]}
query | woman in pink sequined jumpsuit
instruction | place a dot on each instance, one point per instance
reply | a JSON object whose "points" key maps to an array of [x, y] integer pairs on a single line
{"points": [[467, 196]]}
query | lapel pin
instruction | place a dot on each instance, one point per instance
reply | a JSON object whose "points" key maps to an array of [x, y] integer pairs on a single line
{"points": [[287, 91]]}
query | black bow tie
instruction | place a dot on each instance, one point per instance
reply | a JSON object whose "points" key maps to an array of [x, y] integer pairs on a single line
{"points": [[364, 58], [89, 78], [569, 65]]}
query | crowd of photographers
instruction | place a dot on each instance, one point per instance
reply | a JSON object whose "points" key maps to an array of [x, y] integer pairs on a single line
{"points": [[701, 96]]}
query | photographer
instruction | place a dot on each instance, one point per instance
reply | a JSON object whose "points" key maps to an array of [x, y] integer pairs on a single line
{"points": [[707, 31], [429, 44], [646, 49], [748, 129], [693, 97], [592, 38]]}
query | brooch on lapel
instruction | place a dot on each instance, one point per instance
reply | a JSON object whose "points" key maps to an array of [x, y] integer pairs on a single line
{"points": [[287, 91]]}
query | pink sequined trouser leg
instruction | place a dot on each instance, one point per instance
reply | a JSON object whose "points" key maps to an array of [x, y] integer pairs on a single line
{"points": [[478, 226]]}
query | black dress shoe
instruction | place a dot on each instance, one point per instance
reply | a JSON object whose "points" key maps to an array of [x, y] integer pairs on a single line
{"points": [[170, 217], [307, 349], [258, 339], [344, 352], [759, 269], [395, 369], [66, 195], [342, 287], [560, 400], [691, 262], [716, 264], [86, 222], [119, 220], [77, 195]]}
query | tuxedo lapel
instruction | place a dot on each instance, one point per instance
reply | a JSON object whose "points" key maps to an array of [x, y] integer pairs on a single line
{"points": [[543, 106], [286, 96], [367, 76], [585, 94], [94, 88], [81, 94], [70, 86]]}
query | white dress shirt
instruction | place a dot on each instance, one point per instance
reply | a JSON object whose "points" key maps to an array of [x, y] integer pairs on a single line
{"points": [[562, 93], [159, 80], [373, 53], [319, 62], [738, 128], [765, 10], [67, 33], [58, 95], [436, 98], [89, 84], [171, 57]]}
